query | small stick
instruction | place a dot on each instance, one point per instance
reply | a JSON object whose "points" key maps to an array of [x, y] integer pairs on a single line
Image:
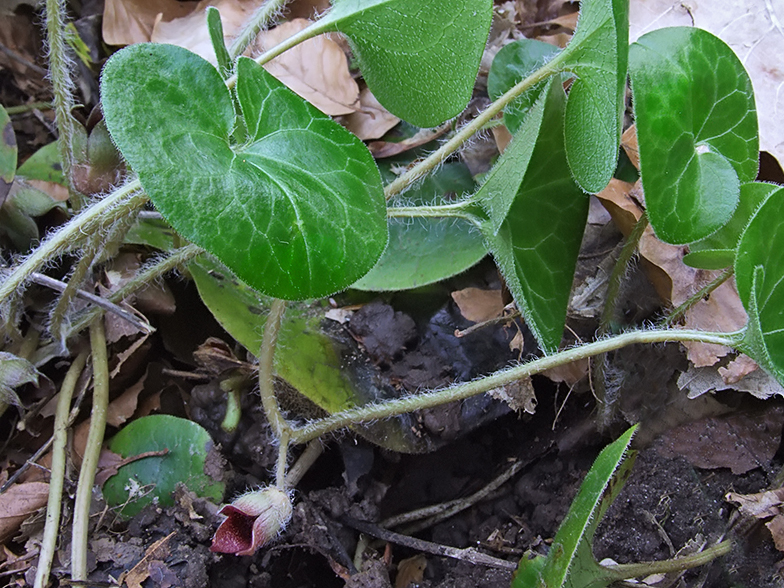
{"points": [[468, 554]]}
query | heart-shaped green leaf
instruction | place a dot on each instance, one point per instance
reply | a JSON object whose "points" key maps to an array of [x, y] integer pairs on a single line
{"points": [[597, 55], [296, 212], [759, 275], [718, 250], [536, 242], [511, 65], [188, 447], [696, 127], [426, 250], [419, 60]]}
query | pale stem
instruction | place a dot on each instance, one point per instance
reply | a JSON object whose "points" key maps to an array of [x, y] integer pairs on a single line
{"points": [[269, 342], [92, 450], [57, 471], [306, 459], [258, 21], [62, 89], [63, 240], [280, 467], [412, 403], [455, 210], [678, 564]]}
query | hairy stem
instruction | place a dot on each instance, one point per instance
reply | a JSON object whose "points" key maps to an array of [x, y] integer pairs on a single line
{"points": [[57, 472], [697, 296], [113, 206], [22, 108], [282, 463], [62, 88], [435, 159], [455, 210], [678, 564], [399, 406], [92, 450], [256, 24], [269, 342]]}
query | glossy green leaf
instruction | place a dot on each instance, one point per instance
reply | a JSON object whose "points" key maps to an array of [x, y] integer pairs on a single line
{"points": [[511, 65], [215, 28], [597, 55], [296, 212], [155, 478], [44, 165], [321, 367], [697, 130], [537, 243], [426, 250], [718, 250], [7, 154], [419, 60], [759, 275]]}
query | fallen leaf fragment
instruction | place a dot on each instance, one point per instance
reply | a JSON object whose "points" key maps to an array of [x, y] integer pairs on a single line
{"points": [[18, 503], [370, 120], [317, 69], [126, 22], [479, 305], [761, 505], [519, 395], [411, 571], [699, 380], [152, 560]]}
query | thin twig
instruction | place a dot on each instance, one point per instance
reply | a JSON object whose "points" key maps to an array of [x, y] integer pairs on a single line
{"points": [[92, 450], [54, 284], [469, 554], [306, 459]]}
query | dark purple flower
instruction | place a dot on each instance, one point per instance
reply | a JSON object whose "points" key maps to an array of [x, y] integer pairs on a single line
{"points": [[252, 520]]}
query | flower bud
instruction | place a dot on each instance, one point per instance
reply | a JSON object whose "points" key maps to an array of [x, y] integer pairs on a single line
{"points": [[252, 520]]}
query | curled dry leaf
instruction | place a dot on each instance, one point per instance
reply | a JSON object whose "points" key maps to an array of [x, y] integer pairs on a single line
{"points": [[126, 22], [479, 305], [371, 120], [19, 502], [317, 69]]}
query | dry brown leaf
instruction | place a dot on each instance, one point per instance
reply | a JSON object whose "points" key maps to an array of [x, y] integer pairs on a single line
{"points": [[479, 305], [502, 137], [190, 30], [776, 528], [569, 373], [306, 8], [752, 29], [19, 502], [371, 120], [739, 441], [761, 505], [126, 22], [381, 149], [317, 69], [410, 571], [519, 395], [700, 380], [152, 559], [737, 369], [629, 144], [123, 407]]}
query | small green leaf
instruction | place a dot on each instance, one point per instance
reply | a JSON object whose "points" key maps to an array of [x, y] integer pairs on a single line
{"points": [[759, 275], [156, 477], [17, 214], [597, 55], [537, 243], [697, 130], [511, 65], [7, 154], [44, 165], [320, 367], [296, 212], [419, 60], [215, 28], [426, 250], [718, 250], [578, 526]]}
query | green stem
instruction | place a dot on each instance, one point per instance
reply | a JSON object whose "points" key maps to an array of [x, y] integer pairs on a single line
{"points": [[456, 210], [697, 296], [257, 22], [92, 450], [678, 564], [457, 141], [62, 88], [233, 387], [67, 237], [22, 108], [269, 342], [57, 472], [406, 404], [280, 468]]}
